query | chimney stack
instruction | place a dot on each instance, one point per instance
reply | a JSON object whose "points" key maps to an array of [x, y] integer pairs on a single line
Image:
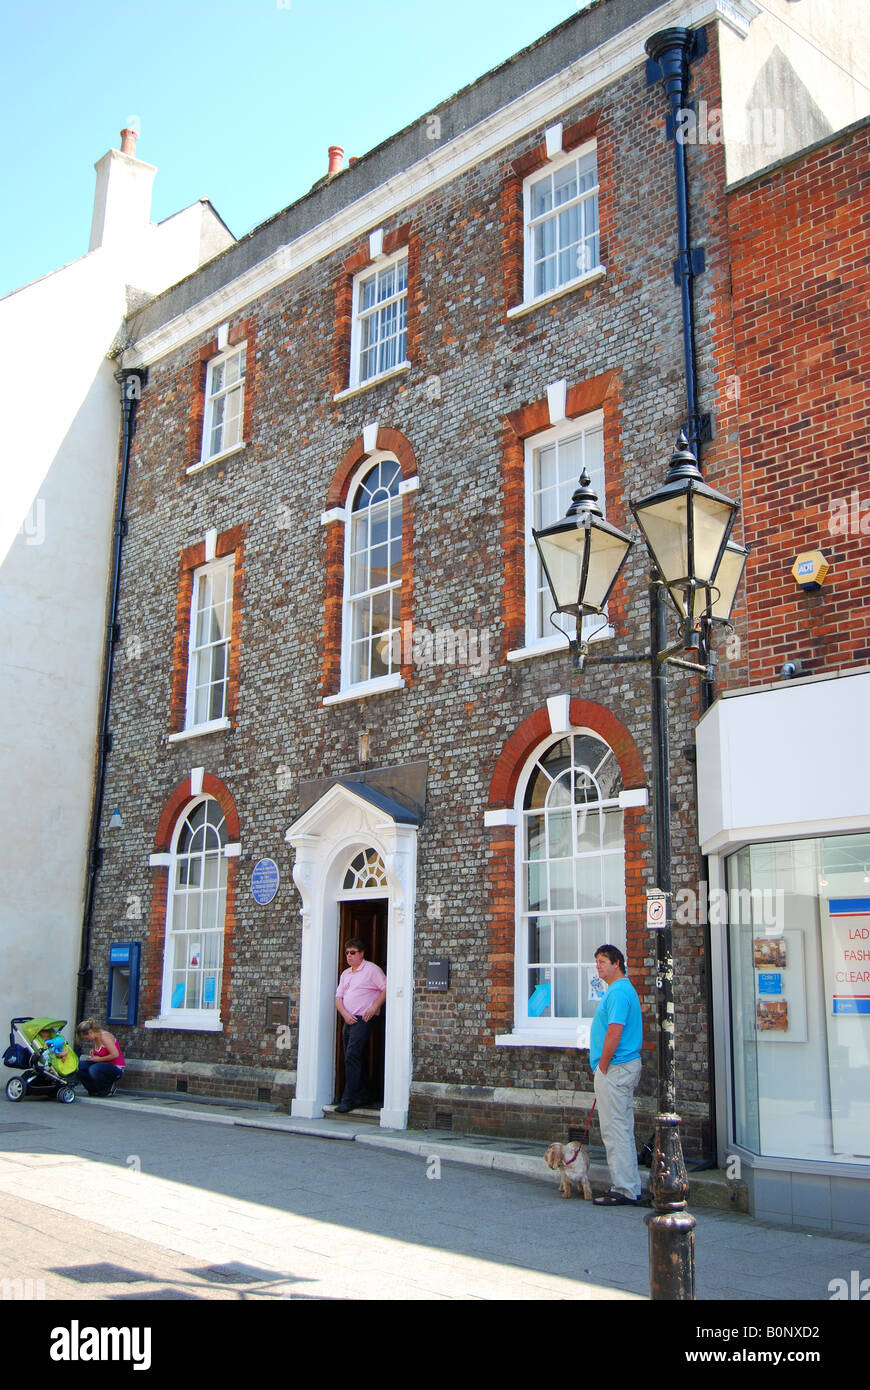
{"points": [[336, 158], [122, 201]]}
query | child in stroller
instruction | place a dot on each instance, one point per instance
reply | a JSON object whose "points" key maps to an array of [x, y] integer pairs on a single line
{"points": [[48, 1064]]}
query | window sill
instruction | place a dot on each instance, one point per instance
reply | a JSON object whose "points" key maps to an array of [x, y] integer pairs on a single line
{"points": [[215, 458], [575, 1036], [213, 727], [529, 304], [362, 692], [191, 1022], [361, 386], [552, 644]]}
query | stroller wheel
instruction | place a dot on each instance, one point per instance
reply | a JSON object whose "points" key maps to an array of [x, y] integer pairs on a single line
{"points": [[15, 1089], [66, 1095]]}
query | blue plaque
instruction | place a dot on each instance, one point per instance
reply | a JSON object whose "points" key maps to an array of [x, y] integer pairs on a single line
{"points": [[264, 881]]}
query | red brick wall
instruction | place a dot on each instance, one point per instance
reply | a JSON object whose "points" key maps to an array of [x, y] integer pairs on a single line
{"points": [[800, 252]]}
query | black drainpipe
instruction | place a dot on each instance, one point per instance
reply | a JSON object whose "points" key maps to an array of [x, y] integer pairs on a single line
{"points": [[671, 52], [131, 383]]}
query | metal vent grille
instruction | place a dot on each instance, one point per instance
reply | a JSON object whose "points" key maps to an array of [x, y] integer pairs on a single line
{"points": [[443, 1119]]}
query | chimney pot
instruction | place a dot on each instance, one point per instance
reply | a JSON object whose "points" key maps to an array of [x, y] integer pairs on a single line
{"points": [[128, 141], [336, 157]]}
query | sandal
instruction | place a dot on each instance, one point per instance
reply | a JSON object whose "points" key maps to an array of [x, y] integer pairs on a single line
{"points": [[615, 1199]]}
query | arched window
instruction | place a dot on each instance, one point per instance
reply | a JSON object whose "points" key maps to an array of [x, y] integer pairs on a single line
{"points": [[571, 884], [193, 959], [373, 576], [366, 870]]}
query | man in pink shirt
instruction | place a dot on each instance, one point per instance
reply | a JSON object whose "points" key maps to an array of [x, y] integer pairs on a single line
{"points": [[361, 992]]}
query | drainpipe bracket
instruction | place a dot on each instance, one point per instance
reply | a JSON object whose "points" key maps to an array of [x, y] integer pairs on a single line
{"points": [[691, 262]]}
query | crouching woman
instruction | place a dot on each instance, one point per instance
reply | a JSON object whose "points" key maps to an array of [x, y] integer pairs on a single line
{"points": [[99, 1069]]}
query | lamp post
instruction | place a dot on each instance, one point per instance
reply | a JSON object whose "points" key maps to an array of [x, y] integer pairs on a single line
{"points": [[686, 526]]}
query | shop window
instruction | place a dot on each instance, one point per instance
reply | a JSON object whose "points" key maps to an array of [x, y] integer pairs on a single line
{"points": [[799, 943]]}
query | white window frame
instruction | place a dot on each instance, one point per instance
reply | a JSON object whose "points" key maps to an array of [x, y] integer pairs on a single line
{"points": [[565, 1031], [377, 268], [393, 680], [201, 1019], [584, 426], [212, 398], [226, 564], [553, 166]]}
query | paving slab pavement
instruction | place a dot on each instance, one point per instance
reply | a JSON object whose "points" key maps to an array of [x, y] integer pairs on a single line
{"points": [[143, 1198]]}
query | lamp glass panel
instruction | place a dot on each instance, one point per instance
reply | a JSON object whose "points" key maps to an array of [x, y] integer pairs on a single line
{"points": [[666, 535], [712, 519], [606, 556], [728, 577], [562, 555]]}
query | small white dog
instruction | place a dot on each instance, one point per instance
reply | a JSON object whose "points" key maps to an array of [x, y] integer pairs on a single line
{"points": [[572, 1162]]}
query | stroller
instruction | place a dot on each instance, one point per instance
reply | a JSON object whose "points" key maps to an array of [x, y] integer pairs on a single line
{"points": [[48, 1064]]}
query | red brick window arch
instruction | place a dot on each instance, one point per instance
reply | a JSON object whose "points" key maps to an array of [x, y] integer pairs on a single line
{"points": [[566, 825], [189, 951], [570, 860]]}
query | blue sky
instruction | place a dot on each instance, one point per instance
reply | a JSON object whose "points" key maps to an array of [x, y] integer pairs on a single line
{"points": [[238, 99]]}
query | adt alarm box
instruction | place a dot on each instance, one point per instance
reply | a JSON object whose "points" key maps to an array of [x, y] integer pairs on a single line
{"points": [[123, 981]]}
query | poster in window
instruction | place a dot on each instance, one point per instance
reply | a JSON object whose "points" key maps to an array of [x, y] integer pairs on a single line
{"points": [[769, 951], [846, 956], [780, 987]]}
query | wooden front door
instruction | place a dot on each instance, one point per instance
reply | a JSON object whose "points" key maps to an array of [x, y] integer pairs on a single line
{"points": [[368, 921]]}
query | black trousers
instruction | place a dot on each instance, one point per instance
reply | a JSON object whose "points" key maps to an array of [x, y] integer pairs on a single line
{"points": [[354, 1038]]}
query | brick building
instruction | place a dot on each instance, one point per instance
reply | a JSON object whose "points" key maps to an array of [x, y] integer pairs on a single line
{"points": [[347, 711], [782, 763]]}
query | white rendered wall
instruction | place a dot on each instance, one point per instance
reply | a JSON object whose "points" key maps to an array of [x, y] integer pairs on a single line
{"points": [[58, 478], [800, 74]]}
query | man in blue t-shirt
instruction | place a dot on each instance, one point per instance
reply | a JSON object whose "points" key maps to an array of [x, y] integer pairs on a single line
{"points": [[614, 1056]]}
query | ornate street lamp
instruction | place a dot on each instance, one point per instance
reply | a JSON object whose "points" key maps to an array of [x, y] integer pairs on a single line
{"points": [[582, 556], [686, 526]]}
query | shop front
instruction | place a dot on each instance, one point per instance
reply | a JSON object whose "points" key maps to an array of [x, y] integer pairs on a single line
{"points": [[785, 823]]}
